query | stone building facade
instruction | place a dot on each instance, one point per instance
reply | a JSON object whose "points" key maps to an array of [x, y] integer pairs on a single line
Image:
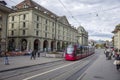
{"points": [[116, 37], [32, 26], [4, 11], [83, 36]]}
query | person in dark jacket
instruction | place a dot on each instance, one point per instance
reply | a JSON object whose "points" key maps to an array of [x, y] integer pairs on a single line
{"points": [[117, 57], [38, 53], [6, 60], [33, 54]]}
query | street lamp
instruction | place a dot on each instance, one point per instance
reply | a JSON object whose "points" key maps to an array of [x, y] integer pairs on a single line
{"points": [[118, 41]]}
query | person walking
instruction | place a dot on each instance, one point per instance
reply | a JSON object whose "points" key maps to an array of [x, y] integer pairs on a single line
{"points": [[38, 53], [117, 61], [33, 54], [6, 60], [107, 53]]}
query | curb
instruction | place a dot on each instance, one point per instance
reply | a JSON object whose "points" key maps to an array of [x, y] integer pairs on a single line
{"points": [[26, 66]]}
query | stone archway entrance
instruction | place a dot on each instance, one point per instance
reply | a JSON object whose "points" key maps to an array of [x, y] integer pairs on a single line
{"points": [[23, 44], [58, 46], [52, 45], [11, 45], [36, 44], [45, 45]]}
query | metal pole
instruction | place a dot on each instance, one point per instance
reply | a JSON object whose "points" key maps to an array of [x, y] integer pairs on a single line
{"points": [[118, 41], [6, 33]]}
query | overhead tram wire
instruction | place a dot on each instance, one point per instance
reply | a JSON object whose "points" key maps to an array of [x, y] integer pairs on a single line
{"points": [[96, 12], [13, 1], [68, 11]]}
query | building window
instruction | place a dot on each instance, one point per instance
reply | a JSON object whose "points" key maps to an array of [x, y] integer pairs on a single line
{"points": [[25, 6], [52, 35], [37, 18], [24, 32], [24, 25], [37, 33], [52, 29], [58, 37], [58, 31], [37, 25], [46, 28], [24, 16], [52, 23], [46, 35], [12, 18], [46, 21], [12, 33], [12, 25]]}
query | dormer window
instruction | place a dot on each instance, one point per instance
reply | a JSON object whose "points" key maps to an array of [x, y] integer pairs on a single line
{"points": [[45, 12], [36, 7], [25, 6]]}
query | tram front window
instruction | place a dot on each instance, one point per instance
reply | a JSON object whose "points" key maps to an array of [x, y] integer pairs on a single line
{"points": [[70, 50]]}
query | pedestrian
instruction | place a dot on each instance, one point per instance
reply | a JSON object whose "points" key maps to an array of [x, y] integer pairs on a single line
{"points": [[6, 60], [117, 61], [33, 54], [38, 53], [113, 53], [110, 55], [107, 51]]}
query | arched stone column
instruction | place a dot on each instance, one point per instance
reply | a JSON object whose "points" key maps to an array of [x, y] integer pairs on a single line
{"points": [[41, 45]]}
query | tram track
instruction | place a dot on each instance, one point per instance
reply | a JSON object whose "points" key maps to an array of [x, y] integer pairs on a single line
{"points": [[22, 71], [71, 72], [76, 75], [76, 71]]}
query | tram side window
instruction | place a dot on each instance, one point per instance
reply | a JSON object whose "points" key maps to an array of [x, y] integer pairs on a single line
{"points": [[70, 50], [85, 50], [78, 51], [81, 50]]}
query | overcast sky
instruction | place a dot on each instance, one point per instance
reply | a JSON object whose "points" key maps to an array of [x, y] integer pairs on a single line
{"points": [[98, 17]]}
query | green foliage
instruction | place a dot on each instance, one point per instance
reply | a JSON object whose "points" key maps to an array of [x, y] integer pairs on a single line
{"points": [[118, 25], [53, 52]]}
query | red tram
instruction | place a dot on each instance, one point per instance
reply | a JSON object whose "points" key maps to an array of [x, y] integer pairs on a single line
{"points": [[75, 52]]}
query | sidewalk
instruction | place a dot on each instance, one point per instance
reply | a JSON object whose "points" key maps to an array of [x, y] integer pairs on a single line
{"points": [[17, 62], [101, 69]]}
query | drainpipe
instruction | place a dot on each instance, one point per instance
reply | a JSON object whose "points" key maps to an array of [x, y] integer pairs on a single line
{"points": [[6, 33]]}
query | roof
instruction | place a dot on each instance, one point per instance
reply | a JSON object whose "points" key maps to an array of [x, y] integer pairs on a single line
{"points": [[117, 28], [5, 9], [3, 2], [32, 4], [63, 20]]}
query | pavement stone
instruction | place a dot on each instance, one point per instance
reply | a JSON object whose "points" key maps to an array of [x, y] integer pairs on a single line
{"points": [[17, 62], [101, 69]]}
